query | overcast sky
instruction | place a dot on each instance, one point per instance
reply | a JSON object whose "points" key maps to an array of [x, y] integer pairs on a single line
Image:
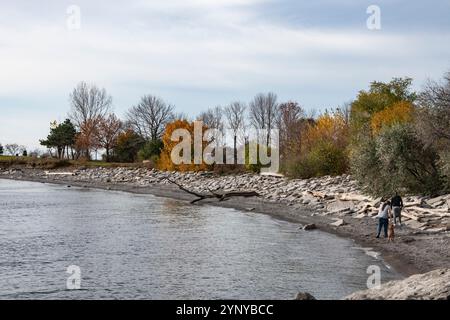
{"points": [[201, 53]]}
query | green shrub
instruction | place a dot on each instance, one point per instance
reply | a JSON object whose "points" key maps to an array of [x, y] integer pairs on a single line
{"points": [[323, 159], [151, 150], [396, 161]]}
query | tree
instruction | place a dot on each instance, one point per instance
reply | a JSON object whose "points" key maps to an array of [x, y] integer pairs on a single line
{"points": [[323, 145], [13, 149], [434, 112], [399, 112], [264, 113], [212, 118], [379, 97], [235, 113], [433, 122], [127, 146], [1, 149], [89, 105], [292, 125], [62, 137], [166, 162], [107, 132], [149, 117], [396, 160]]}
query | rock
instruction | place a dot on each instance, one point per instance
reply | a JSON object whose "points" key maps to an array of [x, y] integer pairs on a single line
{"points": [[434, 285], [309, 227], [304, 296], [339, 223], [250, 209]]}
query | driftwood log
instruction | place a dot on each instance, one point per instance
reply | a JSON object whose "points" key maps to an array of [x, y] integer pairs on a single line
{"points": [[220, 196]]}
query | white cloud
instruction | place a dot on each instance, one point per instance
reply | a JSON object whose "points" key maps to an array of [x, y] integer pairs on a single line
{"points": [[200, 45]]}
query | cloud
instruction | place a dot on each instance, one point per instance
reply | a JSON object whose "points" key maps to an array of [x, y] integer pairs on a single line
{"points": [[197, 53]]}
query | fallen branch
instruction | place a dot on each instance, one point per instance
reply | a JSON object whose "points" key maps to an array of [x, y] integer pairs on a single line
{"points": [[221, 196]]}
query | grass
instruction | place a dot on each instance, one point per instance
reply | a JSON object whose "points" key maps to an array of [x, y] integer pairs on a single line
{"points": [[49, 163]]}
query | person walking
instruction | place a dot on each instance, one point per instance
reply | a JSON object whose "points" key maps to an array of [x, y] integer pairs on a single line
{"points": [[383, 218], [397, 206]]}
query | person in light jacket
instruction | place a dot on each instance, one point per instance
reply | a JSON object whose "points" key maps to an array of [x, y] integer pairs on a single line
{"points": [[383, 218]]}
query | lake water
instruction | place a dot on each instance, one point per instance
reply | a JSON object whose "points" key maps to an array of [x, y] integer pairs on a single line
{"points": [[130, 246]]}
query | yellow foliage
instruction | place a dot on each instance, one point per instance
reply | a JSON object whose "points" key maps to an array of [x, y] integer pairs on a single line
{"points": [[329, 127], [399, 112], [165, 162]]}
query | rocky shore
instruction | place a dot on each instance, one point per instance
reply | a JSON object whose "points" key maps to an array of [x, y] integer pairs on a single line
{"points": [[332, 204], [434, 285]]}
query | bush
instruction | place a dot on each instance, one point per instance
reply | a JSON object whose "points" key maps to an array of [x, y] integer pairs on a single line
{"points": [[324, 159], [151, 150], [396, 160], [255, 167], [444, 167], [128, 145]]}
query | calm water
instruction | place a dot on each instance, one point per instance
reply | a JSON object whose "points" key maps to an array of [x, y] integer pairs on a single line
{"points": [[144, 247]]}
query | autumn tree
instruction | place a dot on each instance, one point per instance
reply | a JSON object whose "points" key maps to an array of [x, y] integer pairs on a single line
{"points": [[324, 145], [166, 161], [379, 97], [106, 133], [89, 104], [398, 113]]}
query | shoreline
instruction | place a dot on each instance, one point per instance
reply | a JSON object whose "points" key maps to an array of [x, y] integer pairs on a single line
{"points": [[410, 254]]}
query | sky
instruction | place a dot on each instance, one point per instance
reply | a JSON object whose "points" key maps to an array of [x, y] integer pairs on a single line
{"points": [[197, 54]]}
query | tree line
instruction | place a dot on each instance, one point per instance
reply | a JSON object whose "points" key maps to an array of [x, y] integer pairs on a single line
{"points": [[389, 137]]}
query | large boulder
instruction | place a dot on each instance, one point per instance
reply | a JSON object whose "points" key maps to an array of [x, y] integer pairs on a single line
{"points": [[434, 285], [304, 296]]}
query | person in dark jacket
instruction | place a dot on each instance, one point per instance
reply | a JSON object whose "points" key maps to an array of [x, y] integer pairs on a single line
{"points": [[397, 206]]}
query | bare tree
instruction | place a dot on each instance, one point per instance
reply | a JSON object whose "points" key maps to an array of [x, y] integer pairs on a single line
{"points": [[235, 117], [108, 130], [291, 124], [433, 122], [13, 149], [212, 118], [89, 104], [264, 112], [150, 116]]}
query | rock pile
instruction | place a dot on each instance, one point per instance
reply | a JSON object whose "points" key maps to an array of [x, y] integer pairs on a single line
{"points": [[434, 285]]}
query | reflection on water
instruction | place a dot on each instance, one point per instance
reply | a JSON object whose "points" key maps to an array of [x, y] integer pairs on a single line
{"points": [[139, 246]]}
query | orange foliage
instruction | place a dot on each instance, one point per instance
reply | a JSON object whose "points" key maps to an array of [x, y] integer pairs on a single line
{"points": [[399, 112], [329, 127], [165, 162]]}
